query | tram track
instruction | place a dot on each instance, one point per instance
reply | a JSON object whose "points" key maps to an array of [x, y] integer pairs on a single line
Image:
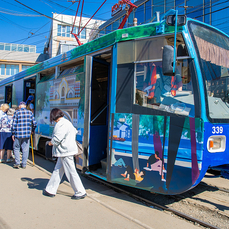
{"points": [[196, 199], [150, 203]]}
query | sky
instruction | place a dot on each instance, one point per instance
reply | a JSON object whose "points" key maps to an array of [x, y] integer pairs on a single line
{"points": [[21, 25]]}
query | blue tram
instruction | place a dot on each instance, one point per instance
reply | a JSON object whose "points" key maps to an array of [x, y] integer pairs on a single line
{"points": [[150, 102]]}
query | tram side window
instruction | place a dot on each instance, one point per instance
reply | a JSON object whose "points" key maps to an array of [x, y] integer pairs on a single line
{"points": [[172, 94]]}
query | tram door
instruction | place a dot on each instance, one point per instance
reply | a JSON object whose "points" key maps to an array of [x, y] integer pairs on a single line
{"points": [[29, 88], [8, 95], [99, 112]]}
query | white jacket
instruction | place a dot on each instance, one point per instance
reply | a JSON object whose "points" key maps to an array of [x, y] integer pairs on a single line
{"points": [[64, 139]]}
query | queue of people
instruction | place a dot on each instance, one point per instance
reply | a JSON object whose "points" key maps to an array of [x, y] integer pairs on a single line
{"points": [[24, 124], [16, 127]]}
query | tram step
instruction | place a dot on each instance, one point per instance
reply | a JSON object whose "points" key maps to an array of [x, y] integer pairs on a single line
{"points": [[104, 163]]}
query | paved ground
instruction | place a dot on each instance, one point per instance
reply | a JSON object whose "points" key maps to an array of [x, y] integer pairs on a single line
{"points": [[23, 206]]}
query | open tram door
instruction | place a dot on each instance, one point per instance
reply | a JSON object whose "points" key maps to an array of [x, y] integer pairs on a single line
{"points": [[30, 88], [97, 84], [8, 95]]}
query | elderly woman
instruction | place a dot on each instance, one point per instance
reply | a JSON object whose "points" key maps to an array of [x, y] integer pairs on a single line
{"points": [[64, 148], [5, 133]]}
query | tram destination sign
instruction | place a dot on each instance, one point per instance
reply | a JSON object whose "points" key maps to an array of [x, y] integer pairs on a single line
{"points": [[117, 7]]}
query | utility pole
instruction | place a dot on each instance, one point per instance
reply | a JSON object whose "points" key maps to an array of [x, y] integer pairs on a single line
{"points": [[185, 7]]}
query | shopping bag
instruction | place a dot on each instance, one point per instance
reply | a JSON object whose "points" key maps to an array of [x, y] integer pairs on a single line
{"points": [[48, 150]]}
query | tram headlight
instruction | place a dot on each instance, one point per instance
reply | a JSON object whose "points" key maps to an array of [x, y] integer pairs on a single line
{"points": [[216, 143]]}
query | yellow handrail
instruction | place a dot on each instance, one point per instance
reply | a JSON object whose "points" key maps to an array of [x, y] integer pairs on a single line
{"points": [[32, 148]]}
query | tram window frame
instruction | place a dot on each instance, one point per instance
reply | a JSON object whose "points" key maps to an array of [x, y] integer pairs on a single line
{"points": [[207, 109], [125, 90], [153, 90]]}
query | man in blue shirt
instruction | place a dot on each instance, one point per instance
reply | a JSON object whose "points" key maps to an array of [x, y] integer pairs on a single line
{"points": [[23, 126]]}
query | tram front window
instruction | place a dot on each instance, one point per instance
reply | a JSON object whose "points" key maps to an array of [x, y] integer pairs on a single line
{"points": [[213, 52], [167, 93]]}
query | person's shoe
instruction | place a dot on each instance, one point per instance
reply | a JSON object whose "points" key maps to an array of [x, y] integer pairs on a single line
{"points": [[124, 175], [45, 193], [1, 161], [9, 160], [79, 197], [16, 166], [23, 167], [127, 179]]}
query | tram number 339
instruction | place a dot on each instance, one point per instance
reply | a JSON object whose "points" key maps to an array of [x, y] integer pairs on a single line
{"points": [[217, 129]]}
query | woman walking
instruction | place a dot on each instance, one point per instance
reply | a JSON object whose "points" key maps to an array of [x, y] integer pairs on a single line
{"points": [[64, 148]]}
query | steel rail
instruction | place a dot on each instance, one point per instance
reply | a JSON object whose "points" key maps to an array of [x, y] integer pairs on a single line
{"points": [[215, 187], [178, 213]]}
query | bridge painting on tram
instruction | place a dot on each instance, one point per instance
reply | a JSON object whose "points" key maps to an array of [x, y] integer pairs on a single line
{"points": [[167, 157]]}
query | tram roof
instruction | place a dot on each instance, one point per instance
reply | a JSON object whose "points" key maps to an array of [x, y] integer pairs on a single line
{"points": [[131, 33]]}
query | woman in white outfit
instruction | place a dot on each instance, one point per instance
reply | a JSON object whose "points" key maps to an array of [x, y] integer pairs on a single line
{"points": [[64, 148]]}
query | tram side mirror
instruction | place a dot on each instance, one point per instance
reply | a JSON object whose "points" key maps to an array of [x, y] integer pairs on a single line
{"points": [[167, 60], [181, 20]]}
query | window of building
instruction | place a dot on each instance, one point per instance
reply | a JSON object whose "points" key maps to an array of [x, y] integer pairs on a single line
{"points": [[125, 25], [196, 10], [116, 25], [158, 5], [130, 19], [26, 48], [108, 29], [14, 47], [219, 18], [9, 69], [101, 33], [20, 48], [169, 5], [148, 10], [65, 31], [24, 67], [2, 68], [7, 47], [17, 47], [140, 14], [32, 49]]}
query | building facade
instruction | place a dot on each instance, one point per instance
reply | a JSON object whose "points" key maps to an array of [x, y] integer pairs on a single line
{"points": [[213, 12], [15, 58], [60, 37]]}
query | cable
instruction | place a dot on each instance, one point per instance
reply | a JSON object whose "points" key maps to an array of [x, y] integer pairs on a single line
{"points": [[15, 24], [48, 5], [15, 13], [33, 42], [41, 13]]}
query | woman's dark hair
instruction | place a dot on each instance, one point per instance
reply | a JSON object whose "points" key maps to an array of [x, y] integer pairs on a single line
{"points": [[55, 114]]}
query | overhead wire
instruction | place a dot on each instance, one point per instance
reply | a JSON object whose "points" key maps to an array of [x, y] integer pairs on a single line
{"points": [[42, 27], [16, 13], [48, 5], [178, 4], [15, 24]]}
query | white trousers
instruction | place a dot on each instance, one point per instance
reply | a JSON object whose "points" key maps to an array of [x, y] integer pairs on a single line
{"points": [[65, 165]]}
